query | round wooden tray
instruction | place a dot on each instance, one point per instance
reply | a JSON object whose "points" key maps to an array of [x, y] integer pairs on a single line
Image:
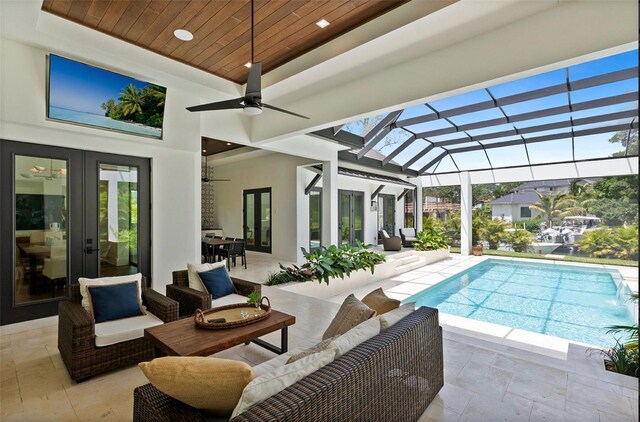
{"points": [[232, 315]]}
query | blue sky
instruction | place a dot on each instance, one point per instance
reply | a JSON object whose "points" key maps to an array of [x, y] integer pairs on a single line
{"points": [[592, 146], [80, 87]]}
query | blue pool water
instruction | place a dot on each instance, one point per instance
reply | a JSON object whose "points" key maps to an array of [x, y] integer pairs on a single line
{"points": [[575, 303]]}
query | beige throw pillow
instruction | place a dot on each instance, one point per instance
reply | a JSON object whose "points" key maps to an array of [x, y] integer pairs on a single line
{"points": [[359, 334], [380, 302], [195, 282], [323, 345], [351, 313], [84, 282], [391, 317], [268, 385], [206, 383]]}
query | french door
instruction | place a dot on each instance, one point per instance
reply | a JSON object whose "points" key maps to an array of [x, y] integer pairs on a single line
{"points": [[351, 217], [387, 214], [66, 214], [257, 219]]}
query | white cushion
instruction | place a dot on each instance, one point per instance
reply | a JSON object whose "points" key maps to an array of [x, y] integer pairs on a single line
{"points": [[409, 232], [266, 386], [389, 318], [195, 282], [385, 234], [228, 300], [84, 282], [125, 329], [272, 364], [358, 334]]}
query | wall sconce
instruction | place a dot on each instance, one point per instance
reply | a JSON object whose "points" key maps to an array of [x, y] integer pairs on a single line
{"points": [[374, 205]]}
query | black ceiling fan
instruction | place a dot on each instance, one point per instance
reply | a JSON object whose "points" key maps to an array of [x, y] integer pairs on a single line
{"points": [[206, 179], [251, 103]]}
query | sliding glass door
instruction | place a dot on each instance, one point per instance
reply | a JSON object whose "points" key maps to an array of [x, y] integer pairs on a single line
{"points": [[387, 214], [56, 205]]}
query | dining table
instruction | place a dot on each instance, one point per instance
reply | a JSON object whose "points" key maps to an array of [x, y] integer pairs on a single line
{"points": [[216, 243]]}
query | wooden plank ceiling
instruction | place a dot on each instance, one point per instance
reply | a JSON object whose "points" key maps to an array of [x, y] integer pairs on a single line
{"points": [[284, 29]]}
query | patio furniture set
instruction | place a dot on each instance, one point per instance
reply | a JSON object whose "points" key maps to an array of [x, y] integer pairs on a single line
{"points": [[395, 243], [394, 373], [216, 248]]}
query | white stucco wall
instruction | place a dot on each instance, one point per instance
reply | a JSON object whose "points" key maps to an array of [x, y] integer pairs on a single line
{"points": [[175, 179]]}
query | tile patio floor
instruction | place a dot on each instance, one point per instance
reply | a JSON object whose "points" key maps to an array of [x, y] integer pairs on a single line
{"points": [[485, 381]]}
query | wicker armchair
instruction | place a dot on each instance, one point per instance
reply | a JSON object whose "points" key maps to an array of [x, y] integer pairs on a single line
{"points": [[76, 336], [190, 299], [392, 377], [408, 236], [389, 243]]}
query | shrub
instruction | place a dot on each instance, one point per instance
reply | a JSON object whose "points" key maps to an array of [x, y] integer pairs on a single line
{"points": [[494, 232], [431, 239], [532, 226], [622, 360], [619, 242], [519, 240], [327, 262]]}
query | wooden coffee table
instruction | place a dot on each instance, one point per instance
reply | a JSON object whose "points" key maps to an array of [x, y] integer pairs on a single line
{"points": [[183, 338]]}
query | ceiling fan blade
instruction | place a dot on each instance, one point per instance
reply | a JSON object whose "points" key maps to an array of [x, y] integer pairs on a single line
{"points": [[283, 110], [253, 89], [220, 105]]}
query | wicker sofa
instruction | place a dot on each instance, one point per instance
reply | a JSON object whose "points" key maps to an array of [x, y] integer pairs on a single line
{"points": [[391, 377], [76, 336], [190, 299]]}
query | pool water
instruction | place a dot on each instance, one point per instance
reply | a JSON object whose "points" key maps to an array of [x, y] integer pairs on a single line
{"points": [[571, 302]]}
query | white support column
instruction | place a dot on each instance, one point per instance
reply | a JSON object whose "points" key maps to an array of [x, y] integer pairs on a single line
{"points": [[466, 206], [329, 202]]}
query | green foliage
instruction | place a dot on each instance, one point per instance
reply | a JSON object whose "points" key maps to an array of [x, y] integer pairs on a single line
{"points": [[622, 360], [616, 200], [479, 195], [519, 240], [329, 262], [431, 239], [630, 330], [145, 106], [281, 277], [494, 232], [619, 242], [452, 227], [532, 226], [628, 140], [567, 258], [253, 298], [553, 206], [432, 223]]}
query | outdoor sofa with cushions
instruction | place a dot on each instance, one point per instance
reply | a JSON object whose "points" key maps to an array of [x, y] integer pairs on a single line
{"points": [[390, 377], [86, 354], [191, 299], [408, 236]]}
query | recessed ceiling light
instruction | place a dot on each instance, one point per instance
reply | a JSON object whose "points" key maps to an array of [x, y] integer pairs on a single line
{"points": [[322, 23], [228, 143], [204, 150], [247, 65], [183, 34]]}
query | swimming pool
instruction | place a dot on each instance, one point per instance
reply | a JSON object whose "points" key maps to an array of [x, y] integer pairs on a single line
{"points": [[571, 302]]}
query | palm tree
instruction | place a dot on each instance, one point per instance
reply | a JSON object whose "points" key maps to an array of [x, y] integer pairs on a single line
{"points": [[583, 194], [108, 106], [553, 205], [131, 101]]}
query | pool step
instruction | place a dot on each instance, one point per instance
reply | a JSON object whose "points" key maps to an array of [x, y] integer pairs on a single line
{"points": [[408, 263]]}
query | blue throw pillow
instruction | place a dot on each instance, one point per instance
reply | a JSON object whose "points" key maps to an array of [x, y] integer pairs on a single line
{"points": [[217, 282], [114, 301]]}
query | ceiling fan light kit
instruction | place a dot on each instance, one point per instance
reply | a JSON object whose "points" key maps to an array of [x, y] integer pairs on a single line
{"points": [[251, 103]]}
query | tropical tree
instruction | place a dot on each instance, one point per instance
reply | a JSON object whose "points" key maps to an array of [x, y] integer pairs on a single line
{"points": [[494, 232], [584, 196], [108, 106], [629, 141], [131, 101], [553, 205]]}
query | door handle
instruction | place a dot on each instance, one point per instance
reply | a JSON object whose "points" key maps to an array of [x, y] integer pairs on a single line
{"points": [[90, 250]]}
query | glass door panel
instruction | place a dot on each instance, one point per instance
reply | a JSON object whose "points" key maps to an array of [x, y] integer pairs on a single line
{"points": [[358, 217], [345, 217], [265, 220], [315, 219], [41, 266], [250, 212], [118, 220], [387, 213]]}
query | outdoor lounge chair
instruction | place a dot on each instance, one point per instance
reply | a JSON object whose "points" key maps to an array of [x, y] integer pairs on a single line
{"points": [[77, 336], [190, 299], [389, 243], [408, 236]]}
